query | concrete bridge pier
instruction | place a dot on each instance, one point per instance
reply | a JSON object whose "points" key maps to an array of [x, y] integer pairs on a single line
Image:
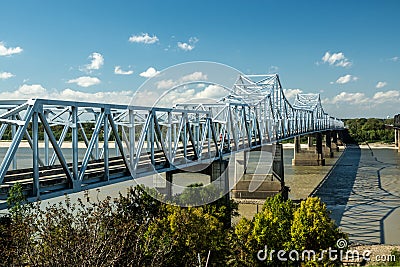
{"points": [[313, 156], [217, 171], [335, 145], [396, 139], [328, 151], [262, 175]]}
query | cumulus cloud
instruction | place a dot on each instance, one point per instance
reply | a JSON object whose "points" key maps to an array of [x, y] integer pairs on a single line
{"points": [[85, 81], [381, 85], [388, 96], [27, 91], [33, 89], [6, 75], [97, 61], [119, 71], [212, 91], [150, 72], [336, 59], [195, 76], [291, 93], [8, 51], [355, 98], [361, 98], [190, 45], [353, 105], [144, 38], [346, 79]]}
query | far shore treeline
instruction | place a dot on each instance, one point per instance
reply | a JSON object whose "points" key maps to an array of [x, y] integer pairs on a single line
{"points": [[370, 130]]}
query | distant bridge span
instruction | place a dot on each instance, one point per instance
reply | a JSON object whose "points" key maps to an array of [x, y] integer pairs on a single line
{"points": [[147, 139]]}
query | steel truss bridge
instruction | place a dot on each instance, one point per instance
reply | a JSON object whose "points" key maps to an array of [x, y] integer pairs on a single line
{"points": [[146, 139]]}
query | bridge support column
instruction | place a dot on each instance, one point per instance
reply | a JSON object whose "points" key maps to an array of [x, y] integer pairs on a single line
{"points": [[219, 170], [310, 157], [328, 145], [278, 169], [335, 146], [264, 174], [168, 189], [397, 138], [310, 140]]}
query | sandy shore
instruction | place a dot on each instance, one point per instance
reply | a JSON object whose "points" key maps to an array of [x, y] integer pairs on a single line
{"points": [[378, 145]]}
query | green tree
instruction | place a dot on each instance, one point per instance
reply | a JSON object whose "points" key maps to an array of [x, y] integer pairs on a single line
{"points": [[312, 229], [272, 225], [192, 233]]}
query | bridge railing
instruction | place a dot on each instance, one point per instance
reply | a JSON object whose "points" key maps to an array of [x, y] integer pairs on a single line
{"points": [[81, 137]]}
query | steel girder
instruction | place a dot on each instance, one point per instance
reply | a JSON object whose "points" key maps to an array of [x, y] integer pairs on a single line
{"points": [[156, 139]]}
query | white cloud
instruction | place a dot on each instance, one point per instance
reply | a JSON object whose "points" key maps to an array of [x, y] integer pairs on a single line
{"points": [[31, 90], [85, 81], [381, 85], [150, 72], [192, 77], [384, 97], [122, 97], [118, 70], [395, 59], [355, 98], [185, 46], [6, 75], [37, 91], [291, 93], [166, 84], [346, 79], [189, 46], [4, 51], [336, 59], [360, 105], [212, 91], [361, 98], [144, 38], [195, 76], [97, 61]]}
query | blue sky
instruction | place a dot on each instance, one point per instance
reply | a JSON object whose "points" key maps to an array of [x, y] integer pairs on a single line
{"points": [[349, 51]]}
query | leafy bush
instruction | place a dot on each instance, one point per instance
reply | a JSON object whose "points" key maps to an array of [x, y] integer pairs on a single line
{"points": [[137, 230]]}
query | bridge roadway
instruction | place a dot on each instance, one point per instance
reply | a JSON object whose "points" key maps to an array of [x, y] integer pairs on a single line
{"points": [[149, 139]]}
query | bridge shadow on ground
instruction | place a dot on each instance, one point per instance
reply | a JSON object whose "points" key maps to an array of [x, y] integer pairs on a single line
{"points": [[353, 191], [336, 188]]}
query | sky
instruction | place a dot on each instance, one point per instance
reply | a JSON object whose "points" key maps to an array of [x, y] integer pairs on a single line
{"points": [[348, 51]]}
